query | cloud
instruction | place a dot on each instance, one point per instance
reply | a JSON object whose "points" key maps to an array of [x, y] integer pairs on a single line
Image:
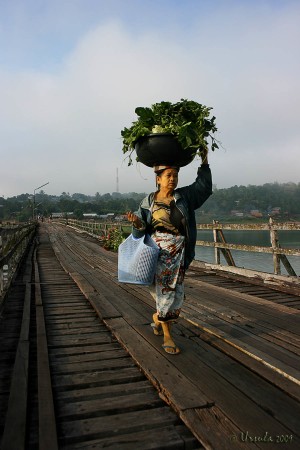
{"points": [[64, 125]]}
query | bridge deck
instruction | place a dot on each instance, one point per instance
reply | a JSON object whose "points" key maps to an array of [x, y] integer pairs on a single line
{"points": [[234, 385], [237, 377]]}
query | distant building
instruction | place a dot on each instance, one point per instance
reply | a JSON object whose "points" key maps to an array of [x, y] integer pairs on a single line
{"points": [[57, 215], [121, 217], [275, 211], [236, 213], [255, 213], [109, 216], [90, 216]]}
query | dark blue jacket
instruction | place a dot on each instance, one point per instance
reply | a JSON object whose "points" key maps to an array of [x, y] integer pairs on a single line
{"points": [[188, 199]]}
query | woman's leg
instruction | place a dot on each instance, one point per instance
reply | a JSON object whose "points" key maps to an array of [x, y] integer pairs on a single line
{"points": [[156, 325], [169, 345], [169, 289]]}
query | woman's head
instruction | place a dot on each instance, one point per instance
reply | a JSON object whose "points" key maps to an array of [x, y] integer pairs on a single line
{"points": [[167, 178]]}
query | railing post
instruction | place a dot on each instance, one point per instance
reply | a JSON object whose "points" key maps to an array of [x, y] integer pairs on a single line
{"points": [[217, 250], [1, 268], [5, 275], [274, 244]]}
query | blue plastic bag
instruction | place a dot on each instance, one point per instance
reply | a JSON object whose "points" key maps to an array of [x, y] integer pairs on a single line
{"points": [[137, 260]]}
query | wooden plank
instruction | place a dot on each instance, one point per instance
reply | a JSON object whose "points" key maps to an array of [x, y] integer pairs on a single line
{"points": [[15, 423], [219, 390], [170, 382], [103, 392], [102, 306], [285, 384], [262, 392], [62, 342], [245, 330], [110, 300], [114, 294], [89, 356], [59, 325], [227, 391], [258, 308], [165, 437], [132, 422], [106, 391], [278, 282], [47, 423], [263, 357], [204, 307], [92, 366], [130, 307], [65, 351], [24, 335], [73, 321], [75, 331], [265, 331], [252, 323], [81, 380], [213, 429], [110, 405], [68, 311]]}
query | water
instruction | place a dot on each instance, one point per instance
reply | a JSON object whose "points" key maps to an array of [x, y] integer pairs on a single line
{"points": [[251, 260]]}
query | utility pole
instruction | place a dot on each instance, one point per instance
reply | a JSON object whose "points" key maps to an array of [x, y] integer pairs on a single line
{"points": [[117, 186], [33, 205]]}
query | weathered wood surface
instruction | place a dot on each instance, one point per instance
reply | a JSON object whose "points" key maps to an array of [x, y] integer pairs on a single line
{"points": [[13, 244], [15, 424], [14, 433], [47, 423], [239, 367], [290, 285], [101, 397]]}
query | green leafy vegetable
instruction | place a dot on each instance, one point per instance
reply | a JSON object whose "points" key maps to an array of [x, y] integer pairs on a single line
{"points": [[187, 120]]}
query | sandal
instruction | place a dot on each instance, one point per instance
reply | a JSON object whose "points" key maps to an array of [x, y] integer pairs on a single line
{"points": [[165, 347], [157, 330]]}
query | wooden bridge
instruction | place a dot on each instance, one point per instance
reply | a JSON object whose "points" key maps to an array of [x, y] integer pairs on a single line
{"points": [[81, 367]]}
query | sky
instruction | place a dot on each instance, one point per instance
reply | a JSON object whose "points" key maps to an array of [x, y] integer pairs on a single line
{"points": [[72, 73]]}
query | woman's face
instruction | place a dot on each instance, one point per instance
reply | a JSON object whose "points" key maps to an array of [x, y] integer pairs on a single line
{"points": [[168, 179]]}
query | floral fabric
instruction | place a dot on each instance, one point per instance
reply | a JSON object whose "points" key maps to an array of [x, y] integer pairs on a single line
{"points": [[168, 289]]}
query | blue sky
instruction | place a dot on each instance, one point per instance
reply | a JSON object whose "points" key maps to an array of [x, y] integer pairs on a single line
{"points": [[72, 73]]}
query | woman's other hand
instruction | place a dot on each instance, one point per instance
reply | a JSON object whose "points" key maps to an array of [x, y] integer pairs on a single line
{"points": [[134, 219], [203, 154]]}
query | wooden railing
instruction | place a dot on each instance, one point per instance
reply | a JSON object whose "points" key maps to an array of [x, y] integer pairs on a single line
{"points": [[97, 229], [279, 254], [14, 240], [101, 229]]}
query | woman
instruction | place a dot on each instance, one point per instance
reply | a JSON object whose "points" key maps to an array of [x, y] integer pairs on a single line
{"points": [[168, 216]]}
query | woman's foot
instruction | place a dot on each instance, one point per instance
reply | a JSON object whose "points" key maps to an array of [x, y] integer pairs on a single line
{"points": [[170, 347]]}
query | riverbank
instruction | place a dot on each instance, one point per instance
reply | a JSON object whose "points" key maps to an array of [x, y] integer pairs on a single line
{"points": [[210, 218]]}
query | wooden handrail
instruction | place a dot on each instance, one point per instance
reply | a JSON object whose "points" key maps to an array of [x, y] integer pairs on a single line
{"points": [[13, 244], [95, 228], [220, 244], [279, 253]]}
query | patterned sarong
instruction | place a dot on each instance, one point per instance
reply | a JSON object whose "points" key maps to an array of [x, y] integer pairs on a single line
{"points": [[168, 289]]}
